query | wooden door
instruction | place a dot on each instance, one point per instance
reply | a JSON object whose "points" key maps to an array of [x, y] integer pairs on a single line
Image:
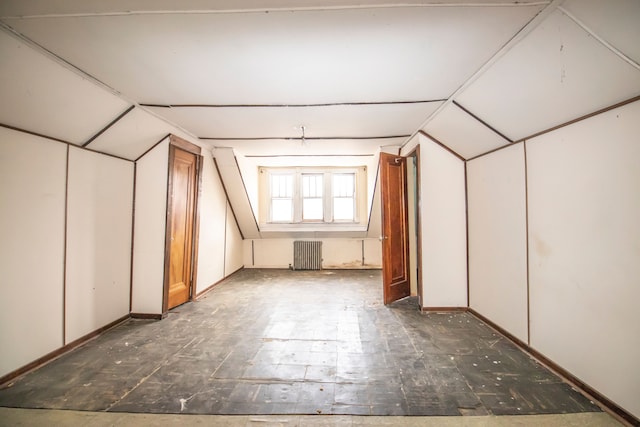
{"points": [[180, 223], [395, 228]]}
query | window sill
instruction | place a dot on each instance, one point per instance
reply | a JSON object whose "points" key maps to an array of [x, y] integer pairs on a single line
{"points": [[314, 227]]}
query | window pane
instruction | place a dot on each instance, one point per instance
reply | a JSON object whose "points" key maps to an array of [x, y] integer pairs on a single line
{"points": [[282, 186], [282, 197], [343, 208], [312, 206], [343, 185], [343, 196], [312, 185], [312, 209], [281, 210]]}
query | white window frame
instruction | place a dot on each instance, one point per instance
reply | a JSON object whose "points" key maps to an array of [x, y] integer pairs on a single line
{"points": [[328, 221]]}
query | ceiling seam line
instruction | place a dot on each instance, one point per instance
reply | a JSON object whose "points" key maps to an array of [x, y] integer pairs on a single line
{"points": [[104, 129], [62, 141], [267, 10], [457, 104], [298, 138], [526, 29], [502, 147], [441, 144], [580, 118], [602, 41], [152, 147], [328, 104], [303, 155], [83, 74], [40, 135], [560, 126]]}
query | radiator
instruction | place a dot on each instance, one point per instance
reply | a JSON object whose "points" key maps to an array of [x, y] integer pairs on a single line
{"points": [[307, 255]]}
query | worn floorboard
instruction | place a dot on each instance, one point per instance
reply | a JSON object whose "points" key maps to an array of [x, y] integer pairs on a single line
{"points": [[290, 342]]}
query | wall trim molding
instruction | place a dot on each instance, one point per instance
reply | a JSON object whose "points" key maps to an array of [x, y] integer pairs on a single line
{"points": [[605, 403], [41, 361], [209, 288], [147, 316], [444, 309]]}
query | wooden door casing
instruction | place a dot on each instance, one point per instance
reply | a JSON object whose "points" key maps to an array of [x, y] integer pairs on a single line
{"points": [[395, 228], [180, 224]]}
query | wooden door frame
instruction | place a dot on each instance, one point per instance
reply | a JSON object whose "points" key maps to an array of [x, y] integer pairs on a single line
{"points": [[418, 214], [179, 143], [388, 283]]}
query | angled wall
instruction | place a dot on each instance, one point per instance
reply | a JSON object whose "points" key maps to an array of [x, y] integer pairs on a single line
{"points": [[220, 243], [99, 217], [497, 239], [584, 247], [149, 230], [569, 214], [442, 224], [32, 223]]}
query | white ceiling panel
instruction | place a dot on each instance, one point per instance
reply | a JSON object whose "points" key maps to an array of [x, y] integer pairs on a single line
{"points": [[286, 122], [556, 74], [463, 133], [39, 95], [308, 153], [132, 135], [44, 7], [615, 21], [286, 57]]}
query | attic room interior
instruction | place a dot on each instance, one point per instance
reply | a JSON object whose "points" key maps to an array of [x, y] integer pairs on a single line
{"points": [[473, 161]]}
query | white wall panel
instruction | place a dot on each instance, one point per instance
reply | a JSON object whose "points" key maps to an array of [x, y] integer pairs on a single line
{"points": [[336, 253], [32, 194], [99, 217], [557, 73], [233, 245], [584, 246], [247, 253], [40, 95], [149, 230], [443, 224], [272, 253], [498, 239], [211, 238], [372, 253]]}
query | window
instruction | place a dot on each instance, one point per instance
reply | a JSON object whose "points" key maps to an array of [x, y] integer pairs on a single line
{"points": [[312, 200], [312, 196], [281, 197], [344, 200]]}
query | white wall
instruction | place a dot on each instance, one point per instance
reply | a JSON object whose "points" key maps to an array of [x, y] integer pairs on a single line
{"points": [[149, 232], [336, 253], [443, 226], [213, 205], [584, 247], [497, 239], [233, 247], [32, 217], [220, 250], [99, 216]]}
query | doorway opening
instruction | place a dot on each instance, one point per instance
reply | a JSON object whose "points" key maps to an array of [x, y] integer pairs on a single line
{"points": [[415, 241]]}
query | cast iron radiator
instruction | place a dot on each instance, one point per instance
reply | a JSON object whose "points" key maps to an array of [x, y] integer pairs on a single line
{"points": [[307, 255]]}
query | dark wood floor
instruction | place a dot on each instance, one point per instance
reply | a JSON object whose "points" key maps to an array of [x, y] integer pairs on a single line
{"points": [[291, 342]]}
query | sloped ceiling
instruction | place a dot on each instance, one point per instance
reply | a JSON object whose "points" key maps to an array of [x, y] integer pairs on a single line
{"points": [[351, 77]]}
